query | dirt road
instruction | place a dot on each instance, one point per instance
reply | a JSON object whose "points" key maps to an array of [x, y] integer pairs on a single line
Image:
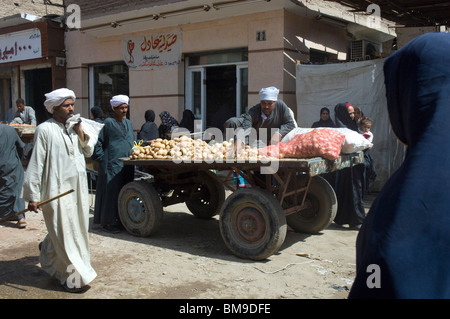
{"points": [[185, 259]]}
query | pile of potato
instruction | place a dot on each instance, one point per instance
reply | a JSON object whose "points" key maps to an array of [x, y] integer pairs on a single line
{"points": [[184, 148]]}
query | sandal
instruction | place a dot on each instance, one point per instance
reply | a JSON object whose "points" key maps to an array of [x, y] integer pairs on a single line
{"points": [[22, 223], [76, 290]]}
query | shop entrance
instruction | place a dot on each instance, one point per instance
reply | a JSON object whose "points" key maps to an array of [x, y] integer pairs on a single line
{"points": [[6, 110], [217, 91], [220, 95], [37, 83]]}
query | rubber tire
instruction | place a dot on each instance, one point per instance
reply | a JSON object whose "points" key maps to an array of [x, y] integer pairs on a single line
{"points": [[140, 208], [260, 208], [324, 207], [212, 198]]}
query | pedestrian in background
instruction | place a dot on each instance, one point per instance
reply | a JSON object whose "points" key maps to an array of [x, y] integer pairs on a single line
{"points": [[325, 120], [24, 114], [11, 175], [348, 185], [114, 141], [149, 130]]}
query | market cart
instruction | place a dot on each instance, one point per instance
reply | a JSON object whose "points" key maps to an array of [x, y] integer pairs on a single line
{"points": [[26, 133], [253, 220]]}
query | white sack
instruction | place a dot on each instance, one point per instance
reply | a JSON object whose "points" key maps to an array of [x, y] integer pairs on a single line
{"points": [[90, 127]]}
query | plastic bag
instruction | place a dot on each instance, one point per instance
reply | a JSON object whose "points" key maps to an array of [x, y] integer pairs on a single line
{"points": [[353, 141], [90, 127]]}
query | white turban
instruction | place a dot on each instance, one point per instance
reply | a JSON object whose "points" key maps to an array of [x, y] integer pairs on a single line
{"points": [[57, 97], [269, 94], [119, 100]]}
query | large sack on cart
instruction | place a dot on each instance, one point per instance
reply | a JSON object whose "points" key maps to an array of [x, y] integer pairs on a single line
{"points": [[324, 143]]}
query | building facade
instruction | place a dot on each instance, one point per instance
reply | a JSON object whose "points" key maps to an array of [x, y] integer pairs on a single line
{"points": [[32, 55], [208, 57]]}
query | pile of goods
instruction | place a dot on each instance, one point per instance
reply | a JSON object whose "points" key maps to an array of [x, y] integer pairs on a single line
{"points": [[324, 143], [21, 125], [24, 129], [184, 148]]}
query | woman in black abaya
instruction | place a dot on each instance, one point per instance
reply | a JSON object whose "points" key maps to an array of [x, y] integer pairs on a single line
{"points": [[403, 248], [325, 120], [149, 130], [348, 184]]}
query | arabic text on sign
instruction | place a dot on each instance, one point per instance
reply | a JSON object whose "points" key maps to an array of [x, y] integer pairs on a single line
{"points": [[160, 43]]}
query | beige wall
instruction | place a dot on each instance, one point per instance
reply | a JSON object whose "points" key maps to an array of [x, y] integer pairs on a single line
{"points": [[271, 62]]}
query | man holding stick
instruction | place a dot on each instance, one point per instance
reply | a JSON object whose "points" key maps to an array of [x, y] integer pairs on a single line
{"points": [[57, 164]]}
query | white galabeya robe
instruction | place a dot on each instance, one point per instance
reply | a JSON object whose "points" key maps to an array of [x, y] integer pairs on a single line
{"points": [[58, 165]]}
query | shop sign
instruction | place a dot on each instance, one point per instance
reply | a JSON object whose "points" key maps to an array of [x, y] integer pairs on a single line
{"points": [[19, 46], [152, 51]]}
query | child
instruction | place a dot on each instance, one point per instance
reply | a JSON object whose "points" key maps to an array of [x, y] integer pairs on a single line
{"points": [[358, 114], [365, 125]]}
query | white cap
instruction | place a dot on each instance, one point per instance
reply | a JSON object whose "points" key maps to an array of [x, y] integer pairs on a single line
{"points": [[269, 94]]}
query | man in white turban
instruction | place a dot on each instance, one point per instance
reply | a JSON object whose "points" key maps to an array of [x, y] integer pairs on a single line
{"points": [[119, 100], [271, 118], [114, 141], [57, 97], [58, 165]]}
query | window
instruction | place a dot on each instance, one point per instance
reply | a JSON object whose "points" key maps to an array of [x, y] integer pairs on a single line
{"points": [[107, 80]]}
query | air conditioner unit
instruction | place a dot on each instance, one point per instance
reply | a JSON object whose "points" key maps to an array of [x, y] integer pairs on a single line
{"points": [[364, 50]]}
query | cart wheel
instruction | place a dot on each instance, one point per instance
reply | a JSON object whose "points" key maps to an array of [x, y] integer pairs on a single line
{"points": [[252, 224], [207, 197], [323, 206], [140, 208]]}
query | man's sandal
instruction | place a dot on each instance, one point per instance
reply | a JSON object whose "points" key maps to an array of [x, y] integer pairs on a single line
{"points": [[22, 223]]}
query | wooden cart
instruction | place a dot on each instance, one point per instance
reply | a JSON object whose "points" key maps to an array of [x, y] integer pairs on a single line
{"points": [[26, 134], [253, 220]]}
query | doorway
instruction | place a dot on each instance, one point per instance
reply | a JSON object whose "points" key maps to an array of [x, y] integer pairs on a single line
{"points": [[220, 95], [216, 93], [6, 110], [37, 83], [216, 87]]}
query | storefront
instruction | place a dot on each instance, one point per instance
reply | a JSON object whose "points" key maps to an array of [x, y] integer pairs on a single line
{"points": [[32, 63], [212, 62]]}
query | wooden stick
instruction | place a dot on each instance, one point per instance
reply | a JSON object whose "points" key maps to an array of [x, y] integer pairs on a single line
{"points": [[39, 204]]}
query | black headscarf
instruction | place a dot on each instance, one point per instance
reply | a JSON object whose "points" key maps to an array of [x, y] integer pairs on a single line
{"points": [[342, 117], [149, 116], [322, 123], [188, 120], [149, 130], [406, 232], [97, 113]]}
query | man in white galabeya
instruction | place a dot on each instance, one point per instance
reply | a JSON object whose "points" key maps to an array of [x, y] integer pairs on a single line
{"points": [[57, 165]]}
